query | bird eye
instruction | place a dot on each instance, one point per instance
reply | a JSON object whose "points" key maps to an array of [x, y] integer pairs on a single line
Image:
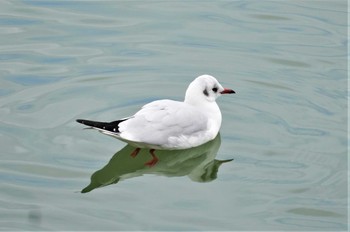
{"points": [[215, 89]]}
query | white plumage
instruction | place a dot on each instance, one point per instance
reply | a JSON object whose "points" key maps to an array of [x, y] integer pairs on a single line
{"points": [[168, 124]]}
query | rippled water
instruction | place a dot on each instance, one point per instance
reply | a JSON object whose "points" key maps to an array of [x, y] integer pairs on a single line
{"points": [[286, 128]]}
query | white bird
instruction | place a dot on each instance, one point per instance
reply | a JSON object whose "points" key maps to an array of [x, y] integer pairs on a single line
{"points": [[170, 125]]}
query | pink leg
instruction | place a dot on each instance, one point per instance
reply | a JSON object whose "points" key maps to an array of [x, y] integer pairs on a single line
{"points": [[153, 161], [135, 152]]}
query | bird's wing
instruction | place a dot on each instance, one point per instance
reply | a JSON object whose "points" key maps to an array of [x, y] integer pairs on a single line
{"points": [[161, 121]]}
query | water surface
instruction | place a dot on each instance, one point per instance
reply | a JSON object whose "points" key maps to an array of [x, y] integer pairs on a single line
{"points": [[286, 128]]}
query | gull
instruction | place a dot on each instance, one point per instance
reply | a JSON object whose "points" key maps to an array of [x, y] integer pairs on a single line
{"points": [[168, 124]]}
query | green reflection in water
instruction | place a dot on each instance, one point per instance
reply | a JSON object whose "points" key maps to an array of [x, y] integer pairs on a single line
{"points": [[198, 163]]}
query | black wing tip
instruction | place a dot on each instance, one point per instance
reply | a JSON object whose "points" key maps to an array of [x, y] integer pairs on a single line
{"points": [[80, 121], [107, 126], [87, 122]]}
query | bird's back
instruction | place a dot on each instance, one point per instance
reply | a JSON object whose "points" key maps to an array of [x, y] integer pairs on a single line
{"points": [[166, 124]]}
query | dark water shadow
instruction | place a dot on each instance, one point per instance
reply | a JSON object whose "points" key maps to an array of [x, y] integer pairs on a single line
{"points": [[198, 163]]}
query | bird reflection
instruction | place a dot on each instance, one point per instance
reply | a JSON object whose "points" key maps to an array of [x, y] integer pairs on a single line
{"points": [[198, 163]]}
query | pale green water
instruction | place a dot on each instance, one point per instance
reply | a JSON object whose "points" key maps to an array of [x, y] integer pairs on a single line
{"points": [[286, 128]]}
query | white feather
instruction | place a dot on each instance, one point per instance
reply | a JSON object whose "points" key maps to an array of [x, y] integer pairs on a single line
{"points": [[168, 124]]}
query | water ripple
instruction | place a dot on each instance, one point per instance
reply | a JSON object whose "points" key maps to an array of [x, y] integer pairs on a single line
{"points": [[285, 127]]}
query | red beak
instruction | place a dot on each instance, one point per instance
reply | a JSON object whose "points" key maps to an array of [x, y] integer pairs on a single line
{"points": [[227, 91]]}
